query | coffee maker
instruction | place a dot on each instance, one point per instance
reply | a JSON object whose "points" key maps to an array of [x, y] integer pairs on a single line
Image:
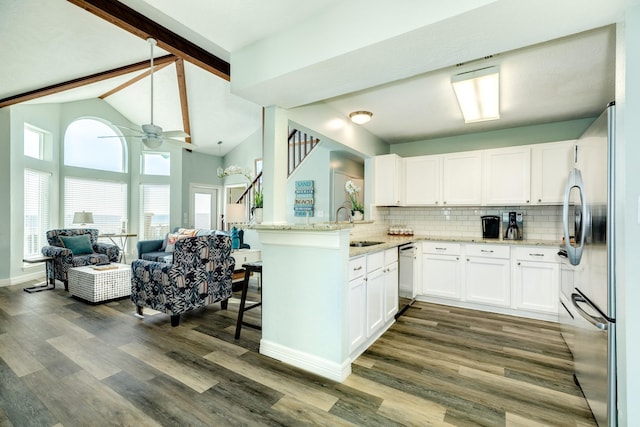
{"points": [[512, 226]]}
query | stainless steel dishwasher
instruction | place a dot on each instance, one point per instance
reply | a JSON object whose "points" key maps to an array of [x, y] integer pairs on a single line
{"points": [[409, 278]]}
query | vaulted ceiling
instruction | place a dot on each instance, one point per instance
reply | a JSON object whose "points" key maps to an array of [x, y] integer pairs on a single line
{"points": [[557, 60]]}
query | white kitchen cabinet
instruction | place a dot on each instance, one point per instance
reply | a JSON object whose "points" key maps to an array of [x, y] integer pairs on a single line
{"points": [[357, 301], [506, 176], [536, 279], [390, 283], [387, 180], [423, 180], [441, 270], [550, 166], [462, 178], [487, 274], [375, 292]]}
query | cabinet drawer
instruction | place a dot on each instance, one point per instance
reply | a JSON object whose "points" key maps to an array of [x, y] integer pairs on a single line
{"points": [[390, 256], [536, 253], [488, 251], [442, 248], [357, 267], [375, 261]]}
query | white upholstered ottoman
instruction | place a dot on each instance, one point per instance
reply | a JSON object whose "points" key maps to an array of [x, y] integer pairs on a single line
{"points": [[99, 283]]}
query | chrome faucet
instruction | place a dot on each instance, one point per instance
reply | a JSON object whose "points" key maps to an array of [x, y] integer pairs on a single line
{"points": [[348, 213]]}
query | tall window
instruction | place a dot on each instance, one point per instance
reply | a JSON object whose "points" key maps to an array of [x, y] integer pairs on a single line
{"points": [[92, 144], [154, 210], [36, 210], [107, 201]]}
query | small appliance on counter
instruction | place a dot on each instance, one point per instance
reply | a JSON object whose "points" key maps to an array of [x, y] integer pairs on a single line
{"points": [[512, 226], [400, 230], [490, 226]]}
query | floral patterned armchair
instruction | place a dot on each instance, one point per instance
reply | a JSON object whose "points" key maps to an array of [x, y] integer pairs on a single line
{"points": [[200, 275], [64, 258]]}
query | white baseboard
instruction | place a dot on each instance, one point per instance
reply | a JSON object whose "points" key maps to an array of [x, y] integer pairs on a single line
{"points": [[308, 362], [16, 280]]}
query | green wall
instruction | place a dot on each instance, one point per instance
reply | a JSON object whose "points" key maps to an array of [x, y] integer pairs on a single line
{"points": [[524, 135]]}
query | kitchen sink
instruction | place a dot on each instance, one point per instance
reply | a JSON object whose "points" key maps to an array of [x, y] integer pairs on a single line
{"points": [[364, 244]]}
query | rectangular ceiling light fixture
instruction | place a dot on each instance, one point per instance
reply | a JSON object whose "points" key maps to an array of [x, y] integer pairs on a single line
{"points": [[478, 94]]}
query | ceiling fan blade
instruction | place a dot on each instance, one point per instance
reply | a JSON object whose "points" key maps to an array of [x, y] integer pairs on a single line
{"points": [[175, 134], [123, 136], [128, 128], [187, 145]]}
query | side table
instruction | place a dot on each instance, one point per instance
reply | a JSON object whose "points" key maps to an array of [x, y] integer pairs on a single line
{"points": [[46, 285], [123, 243]]}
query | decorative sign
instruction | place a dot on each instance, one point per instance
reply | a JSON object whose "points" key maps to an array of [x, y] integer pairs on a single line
{"points": [[304, 202]]}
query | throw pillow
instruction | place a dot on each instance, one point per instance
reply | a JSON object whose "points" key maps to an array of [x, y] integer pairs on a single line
{"points": [[172, 238], [78, 245], [187, 231]]}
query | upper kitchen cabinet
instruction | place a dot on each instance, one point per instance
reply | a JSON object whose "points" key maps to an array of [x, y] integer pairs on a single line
{"points": [[423, 181], [462, 178], [507, 176], [550, 165], [387, 180]]}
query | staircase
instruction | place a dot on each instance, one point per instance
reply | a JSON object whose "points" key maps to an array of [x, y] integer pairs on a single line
{"points": [[300, 145]]}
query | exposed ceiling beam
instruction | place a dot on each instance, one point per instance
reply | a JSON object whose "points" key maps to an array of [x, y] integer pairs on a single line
{"points": [[136, 23], [184, 104], [82, 81], [134, 80]]}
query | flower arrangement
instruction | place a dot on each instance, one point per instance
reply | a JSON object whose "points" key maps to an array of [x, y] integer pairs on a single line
{"points": [[353, 190], [235, 170]]}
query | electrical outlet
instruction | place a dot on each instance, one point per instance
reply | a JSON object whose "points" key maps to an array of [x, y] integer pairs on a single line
{"points": [[320, 214]]}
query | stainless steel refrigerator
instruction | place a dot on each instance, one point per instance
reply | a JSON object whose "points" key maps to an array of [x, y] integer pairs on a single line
{"points": [[587, 309]]}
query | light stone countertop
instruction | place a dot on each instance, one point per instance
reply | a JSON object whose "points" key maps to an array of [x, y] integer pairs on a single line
{"points": [[390, 241]]}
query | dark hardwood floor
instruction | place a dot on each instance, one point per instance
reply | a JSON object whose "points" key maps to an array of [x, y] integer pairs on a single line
{"points": [[67, 363]]}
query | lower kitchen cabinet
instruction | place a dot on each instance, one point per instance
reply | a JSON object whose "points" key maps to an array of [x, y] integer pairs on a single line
{"points": [[441, 270], [536, 279], [373, 297], [487, 274], [390, 283]]}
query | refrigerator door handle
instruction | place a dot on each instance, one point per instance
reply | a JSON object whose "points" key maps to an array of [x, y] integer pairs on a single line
{"points": [[574, 253], [597, 321]]}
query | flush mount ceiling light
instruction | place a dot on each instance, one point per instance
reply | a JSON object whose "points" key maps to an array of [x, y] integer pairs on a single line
{"points": [[360, 117], [478, 94]]}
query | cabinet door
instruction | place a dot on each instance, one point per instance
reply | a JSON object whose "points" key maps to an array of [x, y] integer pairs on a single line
{"points": [[375, 301], [536, 286], [487, 281], [441, 275], [357, 313], [550, 165], [387, 173], [462, 178], [390, 291], [423, 180], [507, 176]]}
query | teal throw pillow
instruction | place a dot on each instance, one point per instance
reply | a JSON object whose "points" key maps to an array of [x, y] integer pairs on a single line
{"points": [[79, 245]]}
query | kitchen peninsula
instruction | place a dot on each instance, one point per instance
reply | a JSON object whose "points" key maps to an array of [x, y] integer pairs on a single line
{"points": [[308, 303]]}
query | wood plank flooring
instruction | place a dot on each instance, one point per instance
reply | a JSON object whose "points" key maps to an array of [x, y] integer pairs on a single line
{"points": [[67, 363]]}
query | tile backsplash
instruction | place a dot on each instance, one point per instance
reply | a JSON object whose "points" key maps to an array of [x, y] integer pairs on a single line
{"points": [[540, 222]]}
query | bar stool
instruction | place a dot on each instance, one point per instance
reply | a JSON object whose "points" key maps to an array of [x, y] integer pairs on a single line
{"points": [[250, 267]]}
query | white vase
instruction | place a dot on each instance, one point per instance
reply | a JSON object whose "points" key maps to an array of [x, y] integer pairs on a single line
{"points": [[358, 216], [257, 215]]}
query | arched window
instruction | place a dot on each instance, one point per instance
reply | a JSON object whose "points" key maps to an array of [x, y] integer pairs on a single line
{"points": [[92, 144]]}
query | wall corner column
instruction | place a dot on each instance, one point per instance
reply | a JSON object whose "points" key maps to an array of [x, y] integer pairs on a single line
{"points": [[274, 171]]}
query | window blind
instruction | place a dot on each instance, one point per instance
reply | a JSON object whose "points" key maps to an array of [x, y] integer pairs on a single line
{"points": [[107, 200], [154, 199], [37, 186]]}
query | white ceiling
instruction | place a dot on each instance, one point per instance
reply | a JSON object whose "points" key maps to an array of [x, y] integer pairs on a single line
{"points": [[51, 41]]}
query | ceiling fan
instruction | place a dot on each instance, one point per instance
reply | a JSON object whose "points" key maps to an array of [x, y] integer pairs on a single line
{"points": [[151, 134]]}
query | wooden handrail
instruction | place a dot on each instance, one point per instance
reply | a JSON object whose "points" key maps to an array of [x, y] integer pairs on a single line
{"points": [[254, 183]]}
